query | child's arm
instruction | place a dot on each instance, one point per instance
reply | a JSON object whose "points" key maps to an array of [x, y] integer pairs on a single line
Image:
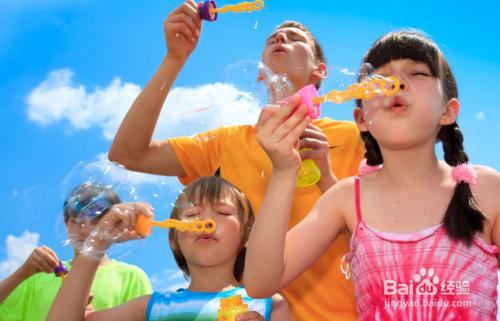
{"points": [[486, 193], [42, 259], [70, 303], [132, 145], [275, 257]]}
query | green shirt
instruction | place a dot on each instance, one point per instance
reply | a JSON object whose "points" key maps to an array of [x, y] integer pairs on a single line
{"points": [[115, 283]]}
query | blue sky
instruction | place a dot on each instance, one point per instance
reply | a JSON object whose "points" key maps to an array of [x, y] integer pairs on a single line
{"points": [[70, 70]]}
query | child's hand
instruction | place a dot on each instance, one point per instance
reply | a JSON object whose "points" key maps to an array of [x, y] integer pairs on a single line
{"points": [[250, 316], [117, 225], [317, 148], [42, 259], [278, 132], [182, 30]]}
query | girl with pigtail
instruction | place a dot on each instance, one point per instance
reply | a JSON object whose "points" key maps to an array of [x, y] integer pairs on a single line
{"points": [[424, 232]]}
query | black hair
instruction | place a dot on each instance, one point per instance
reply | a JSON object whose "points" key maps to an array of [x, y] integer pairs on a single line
{"points": [[462, 219]]}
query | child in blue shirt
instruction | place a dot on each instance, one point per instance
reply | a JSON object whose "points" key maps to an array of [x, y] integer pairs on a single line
{"points": [[213, 263]]}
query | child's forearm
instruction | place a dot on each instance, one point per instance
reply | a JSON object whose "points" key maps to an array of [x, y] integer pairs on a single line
{"points": [[12, 281], [136, 130], [72, 297], [265, 258]]}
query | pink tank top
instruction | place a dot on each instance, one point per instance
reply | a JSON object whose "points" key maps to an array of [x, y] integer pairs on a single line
{"points": [[421, 276]]}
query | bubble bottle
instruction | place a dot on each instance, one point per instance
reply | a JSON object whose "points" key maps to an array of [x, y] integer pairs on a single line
{"points": [[230, 307], [309, 173]]}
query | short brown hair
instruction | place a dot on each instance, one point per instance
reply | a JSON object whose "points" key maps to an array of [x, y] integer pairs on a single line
{"points": [[210, 189], [319, 55]]}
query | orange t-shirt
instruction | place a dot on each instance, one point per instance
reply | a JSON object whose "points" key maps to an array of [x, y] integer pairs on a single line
{"points": [[322, 292]]}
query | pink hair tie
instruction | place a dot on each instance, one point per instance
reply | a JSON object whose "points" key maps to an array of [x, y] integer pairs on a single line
{"points": [[464, 173], [365, 169]]}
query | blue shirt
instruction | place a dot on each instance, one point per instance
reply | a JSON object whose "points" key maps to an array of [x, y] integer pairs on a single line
{"points": [[185, 305]]}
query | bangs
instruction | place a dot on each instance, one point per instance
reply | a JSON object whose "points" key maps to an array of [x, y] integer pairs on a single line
{"points": [[404, 45], [206, 190]]}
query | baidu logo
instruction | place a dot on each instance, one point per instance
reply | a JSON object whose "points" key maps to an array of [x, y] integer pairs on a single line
{"points": [[425, 282]]}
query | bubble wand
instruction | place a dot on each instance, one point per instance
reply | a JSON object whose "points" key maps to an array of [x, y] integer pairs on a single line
{"points": [[208, 10], [144, 224], [309, 173]]}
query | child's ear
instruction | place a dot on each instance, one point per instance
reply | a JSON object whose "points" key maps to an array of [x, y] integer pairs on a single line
{"points": [[320, 71], [360, 119], [450, 113]]}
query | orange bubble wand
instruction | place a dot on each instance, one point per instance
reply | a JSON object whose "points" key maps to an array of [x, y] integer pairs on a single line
{"points": [[144, 224]]}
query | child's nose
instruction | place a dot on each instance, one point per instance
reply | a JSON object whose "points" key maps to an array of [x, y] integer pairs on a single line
{"points": [[403, 81], [280, 37]]}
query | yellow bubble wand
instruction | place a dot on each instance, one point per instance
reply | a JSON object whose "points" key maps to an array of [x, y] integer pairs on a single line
{"points": [[144, 224], [309, 173]]}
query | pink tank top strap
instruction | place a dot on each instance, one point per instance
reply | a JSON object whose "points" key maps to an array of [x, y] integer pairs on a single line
{"points": [[357, 199]]}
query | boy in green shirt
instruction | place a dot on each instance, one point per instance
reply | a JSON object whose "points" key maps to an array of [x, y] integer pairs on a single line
{"points": [[28, 293]]}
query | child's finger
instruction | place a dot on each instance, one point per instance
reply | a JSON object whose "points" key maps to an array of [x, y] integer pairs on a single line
{"points": [[292, 137], [188, 20], [50, 257], [180, 28], [250, 316], [313, 143], [289, 125], [266, 113], [41, 264], [192, 10], [313, 132], [283, 113]]}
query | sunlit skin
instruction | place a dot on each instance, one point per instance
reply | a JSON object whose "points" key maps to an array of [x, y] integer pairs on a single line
{"points": [[418, 107], [405, 127], [289, 51], [217, 251]]}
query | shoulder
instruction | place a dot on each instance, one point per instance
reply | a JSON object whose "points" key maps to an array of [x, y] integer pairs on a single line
{"points": [[328, 124], [486, 189], [343, 188], [230, 130]]}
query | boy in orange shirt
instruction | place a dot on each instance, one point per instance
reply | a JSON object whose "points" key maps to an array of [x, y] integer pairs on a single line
{"points": [[321, 293]]}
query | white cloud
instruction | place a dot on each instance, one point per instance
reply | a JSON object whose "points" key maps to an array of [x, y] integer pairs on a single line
{"points": [[169, 280], [18, 249], [186, 111], [481, 116], [57, 98]]}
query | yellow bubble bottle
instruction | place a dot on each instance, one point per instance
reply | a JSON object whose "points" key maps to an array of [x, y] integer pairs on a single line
{"points": [[309, 173], [230, 307]]}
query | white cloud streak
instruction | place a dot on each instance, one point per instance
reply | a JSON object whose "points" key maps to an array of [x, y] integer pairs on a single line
{"points": [[187, 110], [18, 249]]}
